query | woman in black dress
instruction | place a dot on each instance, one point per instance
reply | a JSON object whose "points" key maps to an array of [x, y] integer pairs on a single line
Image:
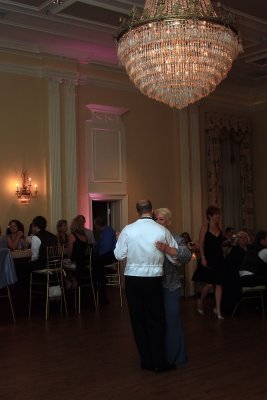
{"points": [[211, 270], [77, 244]]}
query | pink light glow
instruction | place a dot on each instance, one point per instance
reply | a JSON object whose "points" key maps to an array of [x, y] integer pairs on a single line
{"points": [[106, 109]]}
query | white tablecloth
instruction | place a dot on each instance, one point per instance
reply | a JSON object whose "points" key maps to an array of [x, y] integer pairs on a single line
{"points": [[7, 270]]}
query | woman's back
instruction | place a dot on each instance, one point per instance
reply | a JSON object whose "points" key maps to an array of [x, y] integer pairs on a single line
{"points": [[78, 249]]}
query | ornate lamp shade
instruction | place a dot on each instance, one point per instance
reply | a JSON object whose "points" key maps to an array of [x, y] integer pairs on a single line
{"points": [[177, 52]]}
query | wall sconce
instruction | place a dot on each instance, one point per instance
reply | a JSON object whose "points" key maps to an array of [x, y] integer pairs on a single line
{"points": [[25, 193]]}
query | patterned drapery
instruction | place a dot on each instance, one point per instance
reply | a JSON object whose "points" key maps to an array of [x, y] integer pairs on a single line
{"points": [[219, 128]]}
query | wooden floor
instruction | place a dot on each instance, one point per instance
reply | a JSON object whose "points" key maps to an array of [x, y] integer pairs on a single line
{"points": [[93, 356]]}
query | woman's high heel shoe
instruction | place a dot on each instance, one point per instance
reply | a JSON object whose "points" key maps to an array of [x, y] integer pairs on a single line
{"points": [[199, 308], [218, 316]]}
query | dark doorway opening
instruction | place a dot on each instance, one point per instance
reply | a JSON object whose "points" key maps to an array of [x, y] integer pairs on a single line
{"points": [[102, 209]]}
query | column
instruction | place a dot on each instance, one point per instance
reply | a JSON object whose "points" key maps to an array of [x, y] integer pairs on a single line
{"points": [[70, 148], [54, 150]]}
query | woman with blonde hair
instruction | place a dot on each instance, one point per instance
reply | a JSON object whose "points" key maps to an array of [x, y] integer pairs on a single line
{"points": [[175, 348]]}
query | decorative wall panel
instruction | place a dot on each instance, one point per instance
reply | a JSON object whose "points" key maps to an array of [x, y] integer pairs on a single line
{"points": [[106, 155]]}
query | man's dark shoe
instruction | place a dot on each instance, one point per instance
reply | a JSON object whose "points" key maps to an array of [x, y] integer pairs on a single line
{"points": [[147, 366], [165, 367]]}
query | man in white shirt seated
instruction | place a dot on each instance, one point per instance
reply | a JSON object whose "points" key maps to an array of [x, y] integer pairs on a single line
{"points": [[41, 239]]}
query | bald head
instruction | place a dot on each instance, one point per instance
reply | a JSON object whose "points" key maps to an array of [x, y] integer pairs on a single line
{"points": [[144, 207]]}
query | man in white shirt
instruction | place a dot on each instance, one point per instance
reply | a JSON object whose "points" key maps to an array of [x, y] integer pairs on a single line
{"points": [[143, 284], [41, 239]]}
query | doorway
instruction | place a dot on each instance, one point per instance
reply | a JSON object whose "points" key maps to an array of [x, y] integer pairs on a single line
{"points": [[113, 208], [102, 209], [109, 210]]}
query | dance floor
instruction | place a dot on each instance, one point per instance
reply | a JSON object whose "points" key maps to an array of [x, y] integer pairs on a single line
{"points": [[93, 356]]}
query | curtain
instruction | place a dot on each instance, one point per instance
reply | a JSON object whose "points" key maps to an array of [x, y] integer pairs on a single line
{"points": [[229, 168]]}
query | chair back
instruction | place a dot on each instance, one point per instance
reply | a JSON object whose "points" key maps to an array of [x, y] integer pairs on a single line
{"points": [[87, 279], [8, 274], [252, 292], [113, 278], [88, 254], [54, 257]]}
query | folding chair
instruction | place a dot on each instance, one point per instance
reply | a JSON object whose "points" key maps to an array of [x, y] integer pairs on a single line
{"points": [[248, 293], [48, 282], [85, 281], [113, 278]]}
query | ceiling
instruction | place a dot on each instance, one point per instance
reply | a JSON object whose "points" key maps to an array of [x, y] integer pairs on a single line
{"points": [[84, 30]]}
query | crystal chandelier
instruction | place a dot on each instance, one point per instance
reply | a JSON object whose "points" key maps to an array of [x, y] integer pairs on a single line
{"points": [[178, 51]]}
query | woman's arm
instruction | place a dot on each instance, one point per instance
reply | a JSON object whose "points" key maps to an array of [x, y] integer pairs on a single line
{"points": [[13, 244], [21, 238], [181, 254]]}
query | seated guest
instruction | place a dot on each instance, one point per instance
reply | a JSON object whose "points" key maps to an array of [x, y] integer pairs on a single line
{"points": [[239, 249], [104, 253], [253, 270], [186, 237], [30, 234], [41, 239], [15, 235], [229, 233], [89, 233], [3, 240], [62, 234], [77, 244], [193, 246], [233, 262], [228, 240], [251, 235]]}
